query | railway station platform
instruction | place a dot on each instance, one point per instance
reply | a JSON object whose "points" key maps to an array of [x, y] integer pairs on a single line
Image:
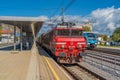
{"points": [[30, 64], [34, 64], [14, 65]]}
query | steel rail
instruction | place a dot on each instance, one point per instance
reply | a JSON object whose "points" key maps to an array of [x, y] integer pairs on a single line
{"points": [[76, 77]]}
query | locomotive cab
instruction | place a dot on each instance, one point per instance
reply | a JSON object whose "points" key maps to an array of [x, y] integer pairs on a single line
{"points": [[69, 42], [91, 39], [66, 42]]}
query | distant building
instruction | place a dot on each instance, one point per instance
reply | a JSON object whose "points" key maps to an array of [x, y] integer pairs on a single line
{"points": [[87, 24], [100, 40], [6, 34]]}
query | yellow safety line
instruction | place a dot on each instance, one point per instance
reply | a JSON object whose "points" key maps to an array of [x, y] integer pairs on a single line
{"points": [[53, 71]]}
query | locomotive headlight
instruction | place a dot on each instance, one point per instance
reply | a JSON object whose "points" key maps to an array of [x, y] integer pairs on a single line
{"points": [[95, 43], [63, 46]]}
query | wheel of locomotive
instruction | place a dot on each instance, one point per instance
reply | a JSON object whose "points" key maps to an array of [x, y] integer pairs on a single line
{"points": [[92, 47]]}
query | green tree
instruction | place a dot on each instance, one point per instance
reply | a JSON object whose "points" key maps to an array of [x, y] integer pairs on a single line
{"points": [[0, 30], [86, 28], [116, 35], [105, 37]]}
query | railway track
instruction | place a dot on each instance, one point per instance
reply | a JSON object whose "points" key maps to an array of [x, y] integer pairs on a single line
{"points": [[81, 73], [104, 61], [108, 51], [104, 55], [114, 59]]}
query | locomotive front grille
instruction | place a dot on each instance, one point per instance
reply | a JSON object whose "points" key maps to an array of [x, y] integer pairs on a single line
{"points": [[71, 47]]}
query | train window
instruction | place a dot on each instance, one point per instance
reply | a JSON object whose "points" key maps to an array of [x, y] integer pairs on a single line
{"points": [[91, 35], [76, 32], [63, 32]]}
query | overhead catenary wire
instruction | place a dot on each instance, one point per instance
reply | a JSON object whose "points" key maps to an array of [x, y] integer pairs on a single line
{"points": [[64, 9], [58, 8]]}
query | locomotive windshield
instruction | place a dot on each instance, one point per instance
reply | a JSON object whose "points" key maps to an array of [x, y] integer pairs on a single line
{"points": [[91, 35], [76, 32], [69, 32], [62, 32]]}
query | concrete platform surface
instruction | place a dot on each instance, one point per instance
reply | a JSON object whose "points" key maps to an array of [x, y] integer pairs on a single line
{"points": [[14, 65], [30, 65], [49, 69]]}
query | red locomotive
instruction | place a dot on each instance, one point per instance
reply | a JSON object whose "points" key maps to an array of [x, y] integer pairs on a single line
{"points": [[65, 42]]}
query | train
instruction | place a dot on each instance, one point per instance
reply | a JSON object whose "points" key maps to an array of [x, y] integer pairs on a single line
{"points": [[91, 39], [65, 42]]}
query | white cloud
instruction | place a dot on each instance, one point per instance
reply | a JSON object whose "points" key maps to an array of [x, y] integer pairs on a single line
{"points": [[106, 20], [71, 18]]}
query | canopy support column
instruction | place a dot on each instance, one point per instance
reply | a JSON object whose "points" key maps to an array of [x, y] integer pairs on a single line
{"points": [[14, 37], [33, 33], [21, 39]]}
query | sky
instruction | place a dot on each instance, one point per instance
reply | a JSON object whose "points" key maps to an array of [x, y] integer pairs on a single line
{"points": [[49, 7], [105, 14]]}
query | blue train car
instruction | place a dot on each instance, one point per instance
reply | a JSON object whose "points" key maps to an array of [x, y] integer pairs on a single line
{"points": [[91, 39]]}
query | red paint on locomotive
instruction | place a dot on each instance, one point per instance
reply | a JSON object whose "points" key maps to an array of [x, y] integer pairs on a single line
{"points": [[65, 43]]}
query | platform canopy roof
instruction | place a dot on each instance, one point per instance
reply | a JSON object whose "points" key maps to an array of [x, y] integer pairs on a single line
{"points": [[24, 22]]}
